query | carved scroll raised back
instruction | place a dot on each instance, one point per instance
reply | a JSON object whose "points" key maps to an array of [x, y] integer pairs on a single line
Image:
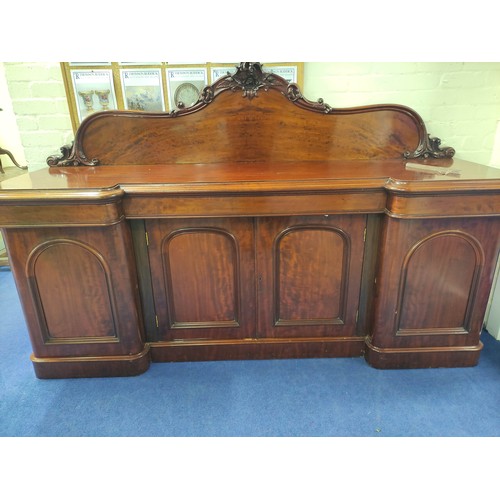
{"points": [[71, 155], [383, 131]]}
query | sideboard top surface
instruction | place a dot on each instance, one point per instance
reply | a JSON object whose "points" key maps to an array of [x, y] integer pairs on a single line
{"points": [[238, 177]]}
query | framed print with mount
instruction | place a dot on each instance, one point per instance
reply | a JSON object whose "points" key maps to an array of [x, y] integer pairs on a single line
{"points": [[142, 89], [148, 86], [93, 90], [184, 86]]}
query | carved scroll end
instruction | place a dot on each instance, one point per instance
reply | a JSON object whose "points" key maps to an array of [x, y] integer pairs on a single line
{"points": [[294, 95], [325, 107], [70, 157], [430, 149]]}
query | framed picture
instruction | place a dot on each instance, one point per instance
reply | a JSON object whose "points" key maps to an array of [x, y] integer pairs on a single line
{"points": [[142, 89], [184, 85], [93, 90]]}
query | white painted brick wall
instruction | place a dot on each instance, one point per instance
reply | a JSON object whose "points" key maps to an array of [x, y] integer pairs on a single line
{"points": [[42, 114], [459, 102]]}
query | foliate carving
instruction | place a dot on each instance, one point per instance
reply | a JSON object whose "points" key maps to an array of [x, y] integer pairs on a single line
{"points": [[250, 78], [70, 157], [430, 148]]}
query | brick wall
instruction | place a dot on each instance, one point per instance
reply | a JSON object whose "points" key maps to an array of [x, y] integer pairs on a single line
{"points": [[39, 103], [459, 102]]}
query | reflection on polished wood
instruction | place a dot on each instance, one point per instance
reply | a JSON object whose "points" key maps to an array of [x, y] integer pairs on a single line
{"points": [[254, 224]]}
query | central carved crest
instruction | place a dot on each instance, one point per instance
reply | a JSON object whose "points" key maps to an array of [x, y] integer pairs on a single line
{"points": [[249, 77]]}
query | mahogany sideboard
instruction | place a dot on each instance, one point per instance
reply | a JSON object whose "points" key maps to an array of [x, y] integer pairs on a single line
{"points": [[253, 224]]}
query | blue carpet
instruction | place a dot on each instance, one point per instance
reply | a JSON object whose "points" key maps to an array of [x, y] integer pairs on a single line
{"points": [[305, 397]]}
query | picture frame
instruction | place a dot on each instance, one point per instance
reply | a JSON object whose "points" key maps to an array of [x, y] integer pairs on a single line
{"points": [[185, 85], [142, 89], [93, 90]]}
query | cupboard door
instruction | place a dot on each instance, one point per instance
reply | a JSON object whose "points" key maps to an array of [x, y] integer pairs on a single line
{"points": [[309, 274], [203, 277], [433, 282], [78, 289]]}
